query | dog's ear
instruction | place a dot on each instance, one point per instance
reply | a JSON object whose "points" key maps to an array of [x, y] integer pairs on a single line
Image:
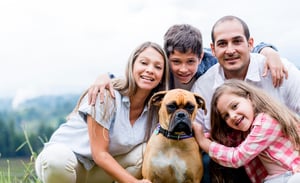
{"points": [[157, 98], [201, 102]]}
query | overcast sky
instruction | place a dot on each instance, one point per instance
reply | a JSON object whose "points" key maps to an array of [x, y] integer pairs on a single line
{"points": [[63, 45]]}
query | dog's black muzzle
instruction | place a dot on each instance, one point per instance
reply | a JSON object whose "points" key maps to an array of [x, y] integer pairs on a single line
{"points": [[180, 123]]}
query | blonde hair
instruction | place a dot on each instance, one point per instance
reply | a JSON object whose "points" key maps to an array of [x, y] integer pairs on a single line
{"points": [[262, 103], [128, 87]]}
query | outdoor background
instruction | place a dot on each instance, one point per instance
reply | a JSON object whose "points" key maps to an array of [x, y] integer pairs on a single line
{"points": [[61, 46], [51, 51]]}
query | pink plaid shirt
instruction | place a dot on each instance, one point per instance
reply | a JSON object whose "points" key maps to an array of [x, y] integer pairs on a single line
{"points": [[265, 137]]}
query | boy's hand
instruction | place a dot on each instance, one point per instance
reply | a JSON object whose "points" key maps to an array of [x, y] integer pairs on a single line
{"points": [[102, 82]]}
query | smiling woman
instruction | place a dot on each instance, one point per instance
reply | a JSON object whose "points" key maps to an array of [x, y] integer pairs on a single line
{"points": [[110, 136]]}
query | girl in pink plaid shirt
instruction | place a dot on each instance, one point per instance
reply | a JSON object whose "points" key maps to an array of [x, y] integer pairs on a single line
{"points": [[265, 133]]}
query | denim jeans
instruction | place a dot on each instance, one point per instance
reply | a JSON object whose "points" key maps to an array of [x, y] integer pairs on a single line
{"points": [[206, 175]]}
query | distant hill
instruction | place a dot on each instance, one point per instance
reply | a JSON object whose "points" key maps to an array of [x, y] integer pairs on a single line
{"points": [[46, 109], [43, 106], [39, 117], [5, 104]]}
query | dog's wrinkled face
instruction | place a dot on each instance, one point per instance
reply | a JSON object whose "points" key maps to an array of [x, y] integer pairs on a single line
{"points": [[178, 109]]}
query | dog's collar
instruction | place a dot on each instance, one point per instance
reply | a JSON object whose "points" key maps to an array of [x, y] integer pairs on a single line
{"points": [[170, 135]]}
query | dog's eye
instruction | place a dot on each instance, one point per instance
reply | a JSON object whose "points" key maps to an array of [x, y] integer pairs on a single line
{"points": [[171, 107], [189, 107]]}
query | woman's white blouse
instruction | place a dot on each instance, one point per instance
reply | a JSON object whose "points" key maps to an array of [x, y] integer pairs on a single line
{"points": [[123, 136]]}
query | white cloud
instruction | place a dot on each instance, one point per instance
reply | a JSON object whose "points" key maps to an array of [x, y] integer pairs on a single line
{"points": [[68, 43]]}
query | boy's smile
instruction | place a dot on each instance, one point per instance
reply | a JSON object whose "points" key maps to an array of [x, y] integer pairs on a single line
{"points": [[184, 65]]}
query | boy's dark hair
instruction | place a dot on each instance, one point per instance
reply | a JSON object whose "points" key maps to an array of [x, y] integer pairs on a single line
{"points": [[183, 38]]}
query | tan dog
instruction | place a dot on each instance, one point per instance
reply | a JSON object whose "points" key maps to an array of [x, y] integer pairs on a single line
{"points": [[172, 153]]}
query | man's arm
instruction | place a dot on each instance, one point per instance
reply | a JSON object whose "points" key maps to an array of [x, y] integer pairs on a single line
{"points": [[273, 62]]}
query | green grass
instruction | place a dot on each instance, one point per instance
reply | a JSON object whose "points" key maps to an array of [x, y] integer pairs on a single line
{"points": [[19, 170], [13, 168]]}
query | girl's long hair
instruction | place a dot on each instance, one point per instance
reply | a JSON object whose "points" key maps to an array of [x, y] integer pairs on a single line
{"points": [[262, 103]]}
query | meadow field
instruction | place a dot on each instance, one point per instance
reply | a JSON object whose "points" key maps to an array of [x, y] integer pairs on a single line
{"points": [[17, 170], [12, 166]]}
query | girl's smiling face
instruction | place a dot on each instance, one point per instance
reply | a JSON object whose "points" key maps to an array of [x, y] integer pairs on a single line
{"points": [[237, 112]]}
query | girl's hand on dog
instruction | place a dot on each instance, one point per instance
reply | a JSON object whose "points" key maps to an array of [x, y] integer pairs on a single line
{"points": [[200, 136], [198, 131]]}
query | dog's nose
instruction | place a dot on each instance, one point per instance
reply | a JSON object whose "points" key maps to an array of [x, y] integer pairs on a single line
{"points": [[180, 114]]}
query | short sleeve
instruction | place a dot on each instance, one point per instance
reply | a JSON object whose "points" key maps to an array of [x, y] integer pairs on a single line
{"points": [[103, 113], [262, 45]]}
